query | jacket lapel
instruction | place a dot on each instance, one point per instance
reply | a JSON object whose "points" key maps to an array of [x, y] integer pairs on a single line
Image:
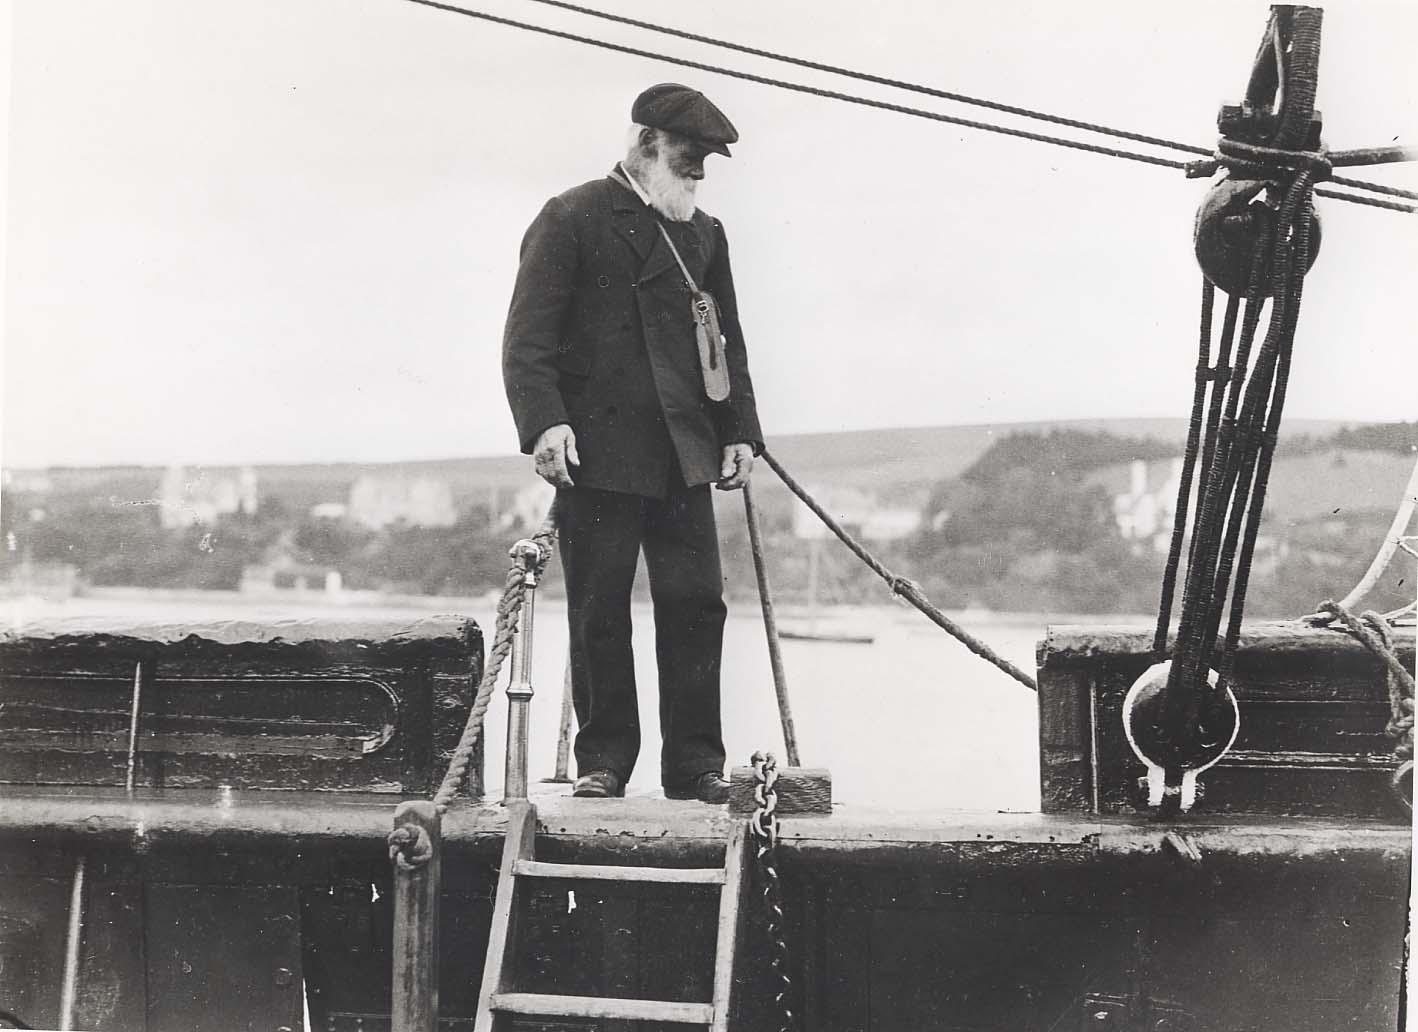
{"points": [[638, 226]]}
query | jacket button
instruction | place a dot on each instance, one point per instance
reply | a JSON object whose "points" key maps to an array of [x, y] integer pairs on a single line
{"points": [[603, 281]]}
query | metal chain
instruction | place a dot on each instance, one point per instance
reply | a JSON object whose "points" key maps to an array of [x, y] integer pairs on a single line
{"points": [[764, 825]]}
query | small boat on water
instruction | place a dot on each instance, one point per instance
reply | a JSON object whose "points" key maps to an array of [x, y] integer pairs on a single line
{"points": [[284, 825], [808, 629]]}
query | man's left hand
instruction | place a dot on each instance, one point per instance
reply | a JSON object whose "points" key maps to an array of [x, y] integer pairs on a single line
{"points": [[736, 467]]}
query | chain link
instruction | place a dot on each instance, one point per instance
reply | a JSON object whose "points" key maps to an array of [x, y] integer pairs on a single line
{"points": [[764, 825]]}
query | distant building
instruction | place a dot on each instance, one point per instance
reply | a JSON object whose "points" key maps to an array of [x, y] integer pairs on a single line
{"points": [[857, 511], [377, 501], [186, 499], [529, 507], [1146, 510]]}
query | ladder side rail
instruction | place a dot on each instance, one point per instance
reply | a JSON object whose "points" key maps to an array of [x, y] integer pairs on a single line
{"points": [[730, 923], [501, 941]]}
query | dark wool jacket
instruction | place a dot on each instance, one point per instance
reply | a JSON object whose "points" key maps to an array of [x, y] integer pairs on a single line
{"points": [[600, 335]]}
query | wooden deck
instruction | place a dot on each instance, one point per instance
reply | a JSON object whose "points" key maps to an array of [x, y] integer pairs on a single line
{"points": [[648, 821]]}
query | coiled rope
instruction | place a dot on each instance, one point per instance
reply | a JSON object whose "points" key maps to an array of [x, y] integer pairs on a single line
{"points": [[408, 844], [901, 587]]}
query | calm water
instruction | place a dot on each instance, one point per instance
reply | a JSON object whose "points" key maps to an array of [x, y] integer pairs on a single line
{"points": [[912, 720]]}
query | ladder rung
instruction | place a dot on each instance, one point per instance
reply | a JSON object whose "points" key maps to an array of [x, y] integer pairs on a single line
{"points": [[675, 875], [602, 1007]]}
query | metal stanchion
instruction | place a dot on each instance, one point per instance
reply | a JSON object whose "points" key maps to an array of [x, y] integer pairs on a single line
{"points": [[519, 691]]}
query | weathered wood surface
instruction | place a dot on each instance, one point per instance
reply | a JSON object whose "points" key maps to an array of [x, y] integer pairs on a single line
{"points": [[611, 872], [360, 705], [1313, 703], [416, 921], [499, 968], [802, 791], [603, 1007], [729, 934], [1065, 642], [894, 920], [633, 831]]}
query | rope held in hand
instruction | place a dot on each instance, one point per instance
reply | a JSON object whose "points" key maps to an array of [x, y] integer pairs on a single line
{"points": [[902, 587], [407, 845]]}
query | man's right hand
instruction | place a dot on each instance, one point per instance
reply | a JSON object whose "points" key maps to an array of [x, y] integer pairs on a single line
{"points": [[555, 454]]}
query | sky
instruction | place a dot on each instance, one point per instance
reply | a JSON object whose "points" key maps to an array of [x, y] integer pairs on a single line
{"points": [[287, 232]]}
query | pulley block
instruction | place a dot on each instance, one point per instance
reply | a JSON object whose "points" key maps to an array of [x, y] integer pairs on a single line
{"points": [[1233, 217], [1175, 756]]}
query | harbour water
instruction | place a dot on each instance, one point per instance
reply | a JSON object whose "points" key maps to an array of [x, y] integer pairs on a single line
{"points": [[912, 720]]}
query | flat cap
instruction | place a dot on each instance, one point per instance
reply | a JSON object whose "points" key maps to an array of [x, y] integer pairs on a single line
{"points": [[688, 112]]}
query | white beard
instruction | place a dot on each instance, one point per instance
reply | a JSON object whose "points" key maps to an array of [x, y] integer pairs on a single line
{"points": [[670, 195]]}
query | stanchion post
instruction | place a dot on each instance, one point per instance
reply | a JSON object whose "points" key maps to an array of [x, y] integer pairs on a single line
{"points": [[770, 627], [519, 688], [415, 1003]]}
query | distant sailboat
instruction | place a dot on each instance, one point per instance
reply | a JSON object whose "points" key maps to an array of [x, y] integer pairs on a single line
{"points": [[811, 633]]}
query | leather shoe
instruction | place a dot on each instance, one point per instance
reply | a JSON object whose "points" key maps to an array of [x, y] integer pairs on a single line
{"points": [[709, 787], [599, 784]]}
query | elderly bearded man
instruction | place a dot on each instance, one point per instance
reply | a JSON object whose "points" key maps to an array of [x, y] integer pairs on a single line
{"points": [[610, 390]]}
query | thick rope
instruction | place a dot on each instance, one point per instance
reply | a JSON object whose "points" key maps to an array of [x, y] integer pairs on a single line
{"points": [[407, 844], [1240, 444], [1373, 631], [796, 87], [1192, 168], [902, 587], [880, 80]]}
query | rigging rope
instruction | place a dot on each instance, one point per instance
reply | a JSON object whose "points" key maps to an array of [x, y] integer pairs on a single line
{"points": [[1243, 418], [900, 586], [1190, 167], [880, 80]]}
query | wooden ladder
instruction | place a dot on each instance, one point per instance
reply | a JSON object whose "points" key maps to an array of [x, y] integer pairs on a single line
{"points": [[519, 862]]}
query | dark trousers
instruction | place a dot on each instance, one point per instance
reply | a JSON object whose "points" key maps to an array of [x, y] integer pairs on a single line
{"points": [[602, 534]]}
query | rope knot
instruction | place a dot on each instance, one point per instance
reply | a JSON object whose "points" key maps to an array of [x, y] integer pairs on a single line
{"points": [[901, 586], [409, 847]]}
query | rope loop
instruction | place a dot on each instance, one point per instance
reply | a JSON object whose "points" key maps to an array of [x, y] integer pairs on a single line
{"points": [[1373, 630], [1253, 161], [410, 847]]}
